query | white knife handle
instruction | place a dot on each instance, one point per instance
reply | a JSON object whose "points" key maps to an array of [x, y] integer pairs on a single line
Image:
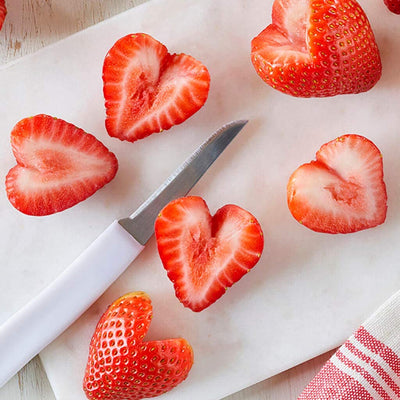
{"points": [[38, 323]]}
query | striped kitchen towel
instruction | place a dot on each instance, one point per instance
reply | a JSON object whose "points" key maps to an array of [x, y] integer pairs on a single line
{"points": [[367, 366]]}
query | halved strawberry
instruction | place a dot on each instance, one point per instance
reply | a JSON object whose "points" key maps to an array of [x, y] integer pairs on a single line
{"points": [[317, 48], [147, 89], [122, 366], [343, 190], [58, 165], [204, 255], [393, 6], [3, 12]]}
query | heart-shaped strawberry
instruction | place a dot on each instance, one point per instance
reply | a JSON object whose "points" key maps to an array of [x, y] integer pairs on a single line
{"points": [[204, 255], [317, 48], [122, 366], [343, 190], [58, 165], [147, 89]]}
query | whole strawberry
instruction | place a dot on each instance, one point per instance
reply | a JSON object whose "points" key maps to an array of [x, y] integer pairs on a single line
{"points": [[393, 6], [317, 48], [122, 366]]}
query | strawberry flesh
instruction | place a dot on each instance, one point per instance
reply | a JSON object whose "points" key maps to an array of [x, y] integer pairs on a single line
{"points": [[147, 89], [58, 165], [121, 366], [317, 48], [204, 255], [343, 190]]}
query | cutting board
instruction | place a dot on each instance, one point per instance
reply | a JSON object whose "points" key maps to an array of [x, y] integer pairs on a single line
{"points": [[309, 290]]}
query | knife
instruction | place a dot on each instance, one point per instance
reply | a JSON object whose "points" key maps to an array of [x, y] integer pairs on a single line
{"points": [[45, 317]]}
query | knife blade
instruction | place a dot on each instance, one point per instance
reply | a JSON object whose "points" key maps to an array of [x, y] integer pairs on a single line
{"points": [[53, 310]]}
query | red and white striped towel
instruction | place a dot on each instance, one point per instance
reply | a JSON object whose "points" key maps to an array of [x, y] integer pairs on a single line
{"points": [[367, 365]]}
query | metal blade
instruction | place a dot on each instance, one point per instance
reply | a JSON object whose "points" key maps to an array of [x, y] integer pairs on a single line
{"points": [[141, 223]]}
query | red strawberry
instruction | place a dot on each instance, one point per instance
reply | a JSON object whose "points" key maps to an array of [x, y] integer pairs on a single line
{"points": [[343, 190], [204, 255], [122, 366], [393, 6], [3, 12], [147, 89], [58, 165], [317, 48]]}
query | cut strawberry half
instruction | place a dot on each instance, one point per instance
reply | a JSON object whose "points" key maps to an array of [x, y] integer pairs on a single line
{"points": [[147, 89], [343, 190], [317, 48], [3, 12], [122, 366], [204, 255], [58, 165]]}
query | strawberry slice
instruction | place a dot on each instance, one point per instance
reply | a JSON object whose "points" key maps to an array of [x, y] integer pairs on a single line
{"points": [[58, 165], [393, 6], [3, 12], [147, 89], [204, 255], [317, 48], [122, 366], [343, 190]]}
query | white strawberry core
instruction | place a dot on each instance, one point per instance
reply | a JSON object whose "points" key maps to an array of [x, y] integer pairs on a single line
{"points": [[52, 164], [295, 23], [338, 195], [285, 40]]}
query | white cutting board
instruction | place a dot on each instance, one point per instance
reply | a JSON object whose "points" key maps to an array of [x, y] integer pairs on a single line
{"points": [[309, 290]]}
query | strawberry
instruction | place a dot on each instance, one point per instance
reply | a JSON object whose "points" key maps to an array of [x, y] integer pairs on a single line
{"points": [[317, 48], [58, 165], [3, 12], [122, 366], [147, 89], [343, 190], [393, 6], [204, 255]]}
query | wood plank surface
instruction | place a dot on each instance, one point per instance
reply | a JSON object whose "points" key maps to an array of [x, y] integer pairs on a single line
{"points": [[29, 26]]}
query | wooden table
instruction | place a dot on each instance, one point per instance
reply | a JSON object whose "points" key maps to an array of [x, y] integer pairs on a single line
{"points": [[29, 26]]}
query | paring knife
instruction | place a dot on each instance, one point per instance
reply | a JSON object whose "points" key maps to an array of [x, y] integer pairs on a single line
{"points": [[38, 323]]}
